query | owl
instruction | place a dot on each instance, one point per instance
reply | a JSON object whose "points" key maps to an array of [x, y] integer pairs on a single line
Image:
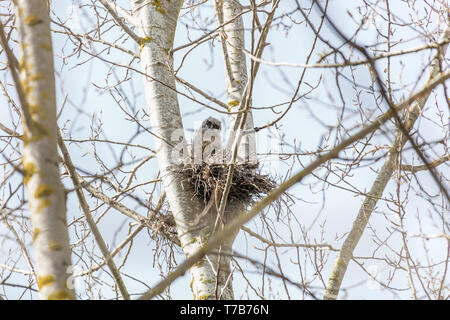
{"points": [[207, 143]]}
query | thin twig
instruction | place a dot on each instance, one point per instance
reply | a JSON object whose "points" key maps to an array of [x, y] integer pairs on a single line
{"points": [[90, 220]]}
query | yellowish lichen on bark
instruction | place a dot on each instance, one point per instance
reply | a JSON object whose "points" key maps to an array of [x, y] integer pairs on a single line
{"points": [[32, 20], [60, 295], [39, 132], [43, 204], [36, 232], [29, 169], [45, 281], [334, 278], [27, 88], [43, 190], [144, 40], [34, 108], [233, 103], [158, 6], [23, 63], [206, 281], [19, 9], [36, 77], [54, 246]]}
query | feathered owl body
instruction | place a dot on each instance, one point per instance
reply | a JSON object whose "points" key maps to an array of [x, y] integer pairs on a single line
{"points": [[207, 143]]}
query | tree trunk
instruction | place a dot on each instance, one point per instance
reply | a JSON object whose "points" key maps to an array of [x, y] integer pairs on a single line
{"points": [[228, 13], [156, 23], [380, 183], [40, 158]]}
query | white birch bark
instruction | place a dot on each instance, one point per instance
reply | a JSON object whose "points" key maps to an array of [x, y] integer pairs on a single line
{"points": [[156, 23], [40, 159], [228, 12], [375, 193]]}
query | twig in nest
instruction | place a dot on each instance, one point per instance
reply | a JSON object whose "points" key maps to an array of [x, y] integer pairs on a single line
{"points": [[247, 186]]}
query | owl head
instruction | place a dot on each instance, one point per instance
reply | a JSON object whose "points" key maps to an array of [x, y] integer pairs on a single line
{"points": [[211, 123]]}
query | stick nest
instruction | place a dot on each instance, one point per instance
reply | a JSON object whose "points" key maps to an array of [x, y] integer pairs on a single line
{"points": [[248, 184]]}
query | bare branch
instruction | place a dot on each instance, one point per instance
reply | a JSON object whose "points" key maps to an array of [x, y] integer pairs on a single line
{"points": [[433, 164], [114, 13]]}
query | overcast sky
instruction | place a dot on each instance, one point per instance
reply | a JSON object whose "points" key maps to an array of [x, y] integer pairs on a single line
{"points": [[87, 104]]}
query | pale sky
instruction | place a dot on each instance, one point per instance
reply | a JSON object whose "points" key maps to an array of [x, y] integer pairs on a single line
{"points": [[335, 210]]}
